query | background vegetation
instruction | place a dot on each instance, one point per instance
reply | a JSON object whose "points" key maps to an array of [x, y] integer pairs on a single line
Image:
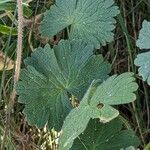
{"points": [[15, 133]]}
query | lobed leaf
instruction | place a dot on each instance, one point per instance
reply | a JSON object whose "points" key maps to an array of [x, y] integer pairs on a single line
{"points": [[143, 59], [52, 74], [97, 104], [109, 136], [89, 20], [144, 37], [116, 90]]}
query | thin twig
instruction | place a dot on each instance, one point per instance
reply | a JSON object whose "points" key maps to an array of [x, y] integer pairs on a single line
{"points": [[138, 123]]}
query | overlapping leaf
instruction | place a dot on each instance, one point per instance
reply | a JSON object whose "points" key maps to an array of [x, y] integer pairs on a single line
{"points": [[89, 20], [109, 136], [51, 74], [97, 104], [143, 60]]}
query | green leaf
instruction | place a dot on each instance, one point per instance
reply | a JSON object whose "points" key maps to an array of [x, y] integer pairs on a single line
{"points": [[143, 60], [5, 1], [90, 20], [51, 74], [77, 120], [7, 30], [144, 37], [147, 147], [11, 6], [116, 90], [129, 148], [110, 136], [96, 104]]}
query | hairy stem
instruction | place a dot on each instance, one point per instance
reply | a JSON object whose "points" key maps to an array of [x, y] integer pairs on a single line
{"points": [[19, 47]]}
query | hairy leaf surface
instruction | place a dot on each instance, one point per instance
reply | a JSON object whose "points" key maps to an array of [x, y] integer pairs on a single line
{"points": [[97, 104], [143, 59], [51, 74], [89, 20], [109, 136]]}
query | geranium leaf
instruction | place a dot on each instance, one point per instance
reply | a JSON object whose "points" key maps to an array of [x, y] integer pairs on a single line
{"points": [[53, 73], [109, 136], [90, 20], [97, 104], [116, 90], [143, 59], [73, 126], [144, 37]]}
